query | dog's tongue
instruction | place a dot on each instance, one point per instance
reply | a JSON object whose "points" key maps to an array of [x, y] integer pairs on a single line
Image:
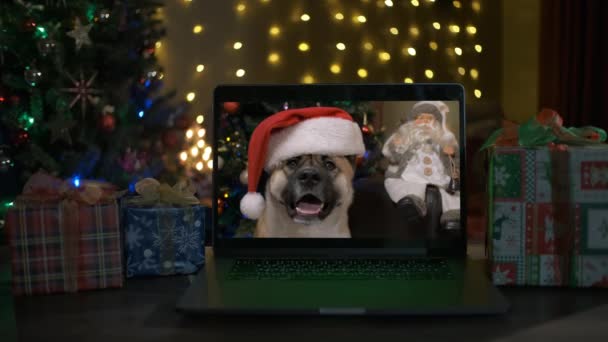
{"points": [[308, 208]]}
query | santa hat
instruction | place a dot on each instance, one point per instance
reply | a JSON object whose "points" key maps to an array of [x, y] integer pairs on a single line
{"points": [[290, 133], [436, 108]]}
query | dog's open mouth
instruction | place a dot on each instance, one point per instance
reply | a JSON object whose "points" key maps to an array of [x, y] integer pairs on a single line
{"points": [[309, 206]]}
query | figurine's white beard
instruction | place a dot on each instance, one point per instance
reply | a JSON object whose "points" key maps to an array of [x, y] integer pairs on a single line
{"points": [[413, 132]]}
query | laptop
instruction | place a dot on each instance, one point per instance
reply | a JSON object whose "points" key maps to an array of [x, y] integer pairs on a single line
{"points": [[340, 199]]}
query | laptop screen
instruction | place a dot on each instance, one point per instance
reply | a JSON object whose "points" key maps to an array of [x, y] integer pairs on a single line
{"points": [[358, 170]]}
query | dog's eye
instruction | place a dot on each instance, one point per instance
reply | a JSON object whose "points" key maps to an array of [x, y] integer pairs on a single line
{"points": [[330, 165], [292, 163]]}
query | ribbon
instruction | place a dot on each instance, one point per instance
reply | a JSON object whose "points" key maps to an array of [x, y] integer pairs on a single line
{"points": [[42, 189], [543, 129], [153, 193]]}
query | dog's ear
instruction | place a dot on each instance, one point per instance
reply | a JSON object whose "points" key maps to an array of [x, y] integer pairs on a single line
{"points": [[352, 159]]}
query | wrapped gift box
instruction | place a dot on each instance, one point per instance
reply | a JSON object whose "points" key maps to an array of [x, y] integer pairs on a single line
{"points": [[64, 246], [164, 240], [548, 216]]}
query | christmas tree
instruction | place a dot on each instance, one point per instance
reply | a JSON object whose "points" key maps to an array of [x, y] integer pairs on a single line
{"points": [[81, 93], [234, 132]]}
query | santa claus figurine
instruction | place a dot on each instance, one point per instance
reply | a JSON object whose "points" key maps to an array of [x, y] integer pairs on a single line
{"points": [[423, 152]]}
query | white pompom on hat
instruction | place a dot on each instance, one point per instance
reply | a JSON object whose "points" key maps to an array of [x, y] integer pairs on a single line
{"points": [[290, 133]]}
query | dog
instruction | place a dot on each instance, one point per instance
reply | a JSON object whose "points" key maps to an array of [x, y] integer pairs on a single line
{"points": [[308, 196]]}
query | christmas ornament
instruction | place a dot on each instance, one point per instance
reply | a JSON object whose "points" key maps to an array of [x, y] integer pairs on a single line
{"points": [[104, 15], [29, 25], [367, 129], [83, 91], [32, 76], [243, 177], [21, 137], [80, 34], [220, 162], [231, 107], [107, 122], [5, 162], [46, 46], [60, 127]]}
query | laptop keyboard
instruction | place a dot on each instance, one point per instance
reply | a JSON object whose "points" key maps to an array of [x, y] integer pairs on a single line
{"points": [[340, 269]]}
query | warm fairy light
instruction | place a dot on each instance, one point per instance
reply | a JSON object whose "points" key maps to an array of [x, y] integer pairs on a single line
{"points": [[458, 51], [189, 134], [433, 45], [384, 56], [210, 164], [200, 143], [339, 16], [241, 7], [415, 3], [476, 6], [454, 28], [361, 18], [183, 156], [200, 68], [411, 51], [197, 29], [194, 151], [240, 73], [429, 73], [303, 46], [237, 45], [308, 79], [368, 46], [305, 17], [228, 139], [461, 71], [158, 44], [477, 93], [208, 150], [190, 97], [274, 31], [478, 48], [206, 156], [414, 31], [340, 46], [199, 166], [474, 73], [335, 68], [362, 73], [226, 195], [201, 132], [274, 58], [394, 31], [436, 26], [161, 76], [471, 29], [457, 4], [200, 119], [388, 3], [408, 80]]}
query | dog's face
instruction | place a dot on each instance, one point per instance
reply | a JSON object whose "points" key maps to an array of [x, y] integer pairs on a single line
{"points": [[311, 187]]}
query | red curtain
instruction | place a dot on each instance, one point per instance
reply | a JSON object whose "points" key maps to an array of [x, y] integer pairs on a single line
{"points": [[574, 60]]}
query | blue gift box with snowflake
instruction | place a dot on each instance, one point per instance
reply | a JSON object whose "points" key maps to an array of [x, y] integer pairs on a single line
{"points": [[164, 240], [548, 216]]}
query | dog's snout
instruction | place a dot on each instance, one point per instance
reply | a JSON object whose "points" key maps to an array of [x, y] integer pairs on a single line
{"points": [[309, 177]]}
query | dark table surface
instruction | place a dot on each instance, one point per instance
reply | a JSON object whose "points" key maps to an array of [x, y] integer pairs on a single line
{"points": [[144, 310]]}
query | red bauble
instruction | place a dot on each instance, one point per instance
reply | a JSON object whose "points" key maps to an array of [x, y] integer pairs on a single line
{"points": [[367, 129], [107, 122], [29, 25], [170, 139], [21, 137], [231, 107]]}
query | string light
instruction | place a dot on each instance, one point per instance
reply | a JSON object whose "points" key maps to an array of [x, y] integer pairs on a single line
{"points": [[237, 45], [471, 29], [408, 80], [303, 46], [458, 51], [208, 150], [415, 3], [274, 31], [199, 166], [388, 3], [190, 97], [335, 68], [241, 7], [394, 31], [308, 79], [429, 73], [197, 29], [384, 56], [340, 46], [414, 31], [433, 45], [201, 132], [305, 17], [476, 6], [368, 46], [194, 151], [183, 156], [411, 51], [339, 16], [158, 44], [478, 48], [436, 26], [461, 71], [362, 73], [274, 58], [200, 68], [454, 28], [200, 143], [189, 134], [456, 4], [361, 18], [240, 73], [474, 73], [226, 195], [200, 119], [477, 93], [210, 164]]}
